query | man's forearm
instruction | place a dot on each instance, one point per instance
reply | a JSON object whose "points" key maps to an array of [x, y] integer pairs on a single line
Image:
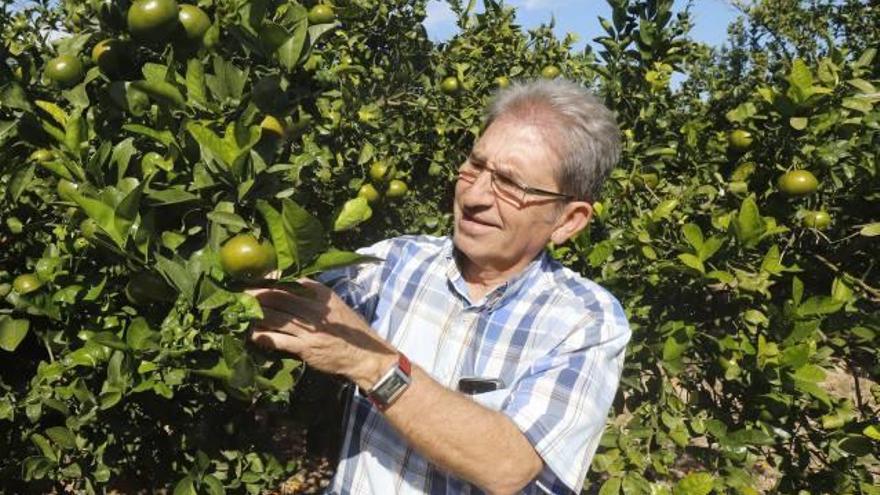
{"points": [[472, 442]]}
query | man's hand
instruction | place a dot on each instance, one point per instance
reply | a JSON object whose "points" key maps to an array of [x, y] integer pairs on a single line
{"points": [[323, 331]]}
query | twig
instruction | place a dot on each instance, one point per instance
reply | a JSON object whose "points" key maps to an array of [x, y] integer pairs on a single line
{"points": [[874, 292]]}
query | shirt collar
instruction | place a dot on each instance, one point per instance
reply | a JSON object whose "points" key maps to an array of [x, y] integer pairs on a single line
{"points": [[499, 295]]}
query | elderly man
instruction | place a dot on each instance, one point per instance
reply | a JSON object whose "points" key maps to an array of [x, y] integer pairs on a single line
{"points": [[481, 364]]}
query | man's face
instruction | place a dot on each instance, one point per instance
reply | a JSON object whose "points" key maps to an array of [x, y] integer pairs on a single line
{"points": [[497, 231]]}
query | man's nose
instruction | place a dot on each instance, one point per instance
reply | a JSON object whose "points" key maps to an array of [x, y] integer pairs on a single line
{"points": [[480, 191]]}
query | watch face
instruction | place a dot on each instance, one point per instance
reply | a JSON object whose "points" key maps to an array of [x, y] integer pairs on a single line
{"points": [[390, 386]]}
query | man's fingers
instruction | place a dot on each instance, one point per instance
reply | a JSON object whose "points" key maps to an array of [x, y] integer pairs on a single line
{"points": [[281, 321], [289, 302], [269, 339]]}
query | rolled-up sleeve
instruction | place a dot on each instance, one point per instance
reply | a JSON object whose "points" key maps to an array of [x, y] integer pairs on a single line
{"points": [[561, 403]]}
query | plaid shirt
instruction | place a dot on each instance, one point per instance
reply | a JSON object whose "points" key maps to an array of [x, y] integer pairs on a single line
{"points": [[554, 339]]}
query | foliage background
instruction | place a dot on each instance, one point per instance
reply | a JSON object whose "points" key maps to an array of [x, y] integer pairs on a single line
{"points": [[754, 361]]}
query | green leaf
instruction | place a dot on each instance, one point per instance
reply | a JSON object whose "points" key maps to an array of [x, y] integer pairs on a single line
{"points": [[748, 224], [695, 484], [819, 305], [693, 235], [185, 487], [354, 212], [872, 432], [75, 133], [797, 290], [304, 232], [664, 209], [12, 95], [243, 373], [871, 230], [858, 104], [600, 252], [8, 129], [218, 148], [62, 437], [228, 81], [610, 487], [171, 195], [750, 437], [336, 259], [692, 261], [177, 274], [121, 156], [104, 215], [45, 447], [227, 219], [800, 77], [21, 180], [283, 380], [109, 339], [164, 137], [796, 356], [126, 212], [710, 247], [291, 50], [841, 291], [56, 112], [809, 373], [163, 92], [275, 223], [857, 445], [232, 148], [213, 485], [195, 83], [139, 335], [12, 332], [862, 85], [742, 113], [316, 31]]}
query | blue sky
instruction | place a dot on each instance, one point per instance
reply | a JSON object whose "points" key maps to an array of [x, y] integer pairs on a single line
{"points": [[710, 18]]}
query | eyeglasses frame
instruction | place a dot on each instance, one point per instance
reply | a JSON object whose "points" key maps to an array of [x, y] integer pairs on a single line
{"points": [[482, 165]]}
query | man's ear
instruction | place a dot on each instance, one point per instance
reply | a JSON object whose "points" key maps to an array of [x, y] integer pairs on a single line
{"points": [[574, 218]]}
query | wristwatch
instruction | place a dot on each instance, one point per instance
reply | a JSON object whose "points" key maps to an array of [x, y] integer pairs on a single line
{"points": [[392, 384]]}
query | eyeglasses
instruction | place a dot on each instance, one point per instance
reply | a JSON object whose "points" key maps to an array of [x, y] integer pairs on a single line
{"points": [[503, 185]]}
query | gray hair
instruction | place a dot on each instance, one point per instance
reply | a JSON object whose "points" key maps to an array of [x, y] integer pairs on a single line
{"points": [[579, 122]]}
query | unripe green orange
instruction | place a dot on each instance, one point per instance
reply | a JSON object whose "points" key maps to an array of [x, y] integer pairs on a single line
{"points": [[550, 72], [195, 22], [378, 171], [502, 82], [819, 220], [321, 14], [270, 124], [450, 85], [368, 192], [396, 189], [740, 139], [244, 258], [798, 183], [153, 20], [65, 70]]}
